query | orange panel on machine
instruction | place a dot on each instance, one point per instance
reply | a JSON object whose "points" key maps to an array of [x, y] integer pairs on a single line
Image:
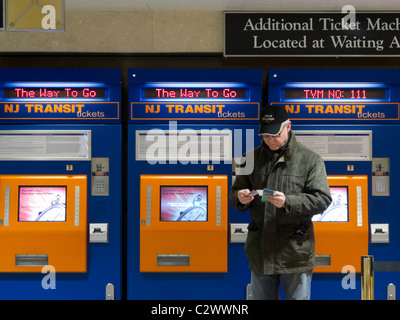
{"points": [[183, 223], [44, 222], [344, 241]]}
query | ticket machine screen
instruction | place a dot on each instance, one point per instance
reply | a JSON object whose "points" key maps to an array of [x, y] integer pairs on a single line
{"points": [[338, 211], [183, 203], [42, 203]]}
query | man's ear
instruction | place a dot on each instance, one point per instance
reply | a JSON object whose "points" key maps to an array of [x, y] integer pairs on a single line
{"points": [[289, 126]]}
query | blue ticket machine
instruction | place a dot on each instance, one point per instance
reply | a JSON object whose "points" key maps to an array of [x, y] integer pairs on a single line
{"points": [[186, 126], [351, 118], [61, 184]]}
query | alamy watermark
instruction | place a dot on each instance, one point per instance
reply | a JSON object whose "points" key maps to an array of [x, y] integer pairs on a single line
{"points": [[49, 280], [49, 20], [349, 280], [203, 146], [349, 20]]}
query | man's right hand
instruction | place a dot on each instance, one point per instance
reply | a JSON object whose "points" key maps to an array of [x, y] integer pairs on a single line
{"points": [[243, 198]]}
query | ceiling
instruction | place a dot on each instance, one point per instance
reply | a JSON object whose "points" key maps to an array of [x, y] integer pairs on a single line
{"points": [[225, 5]]}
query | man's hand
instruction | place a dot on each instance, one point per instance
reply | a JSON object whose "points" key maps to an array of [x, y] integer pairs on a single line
{"points": [[243, 198], [278, 200]]}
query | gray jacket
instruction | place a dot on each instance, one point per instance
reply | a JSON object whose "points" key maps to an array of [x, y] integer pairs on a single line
{"points": [[281, 240]]}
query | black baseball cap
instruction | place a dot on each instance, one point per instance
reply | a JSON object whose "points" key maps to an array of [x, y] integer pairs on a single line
{"points": [[271, 119]]}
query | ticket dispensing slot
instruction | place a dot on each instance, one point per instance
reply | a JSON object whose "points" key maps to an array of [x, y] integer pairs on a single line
{"points": [[341, 231], [44, 223], [183, 223]]}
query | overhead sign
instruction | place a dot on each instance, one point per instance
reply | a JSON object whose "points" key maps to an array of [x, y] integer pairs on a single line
{"points": [[312, 34], [195, 111], [342, 111], [198, 95], [62, 110], [62, 103], [337, 95], [60, 96]]}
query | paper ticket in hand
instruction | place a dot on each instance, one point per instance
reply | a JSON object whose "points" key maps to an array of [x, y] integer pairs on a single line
{"points": [[269, 191], [265, 192], [252, 193]]}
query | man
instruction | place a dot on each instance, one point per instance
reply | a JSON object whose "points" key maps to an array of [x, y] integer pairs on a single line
{"points": [[280, 244]]}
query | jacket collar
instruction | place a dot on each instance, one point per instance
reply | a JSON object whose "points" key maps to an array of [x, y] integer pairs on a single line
{"points": [[285, 153]]}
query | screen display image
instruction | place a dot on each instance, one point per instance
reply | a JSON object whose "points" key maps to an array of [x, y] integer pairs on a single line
{"points": [[183, 203], [338, 211], [42, 203]]}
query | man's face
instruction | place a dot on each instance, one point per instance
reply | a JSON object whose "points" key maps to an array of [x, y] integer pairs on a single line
{"points": [[279, 140]]}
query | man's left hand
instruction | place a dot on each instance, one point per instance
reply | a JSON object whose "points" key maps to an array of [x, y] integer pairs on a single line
{"points": [[278, 200]]}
